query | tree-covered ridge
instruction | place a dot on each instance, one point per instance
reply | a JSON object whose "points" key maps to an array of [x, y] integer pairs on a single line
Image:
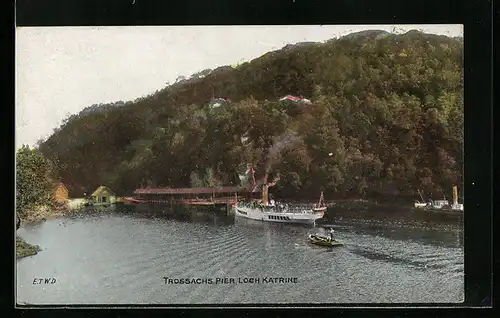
{"points": [[387, 118]]}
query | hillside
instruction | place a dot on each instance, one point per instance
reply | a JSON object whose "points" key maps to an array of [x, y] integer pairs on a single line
{"points": [[386, 119]]}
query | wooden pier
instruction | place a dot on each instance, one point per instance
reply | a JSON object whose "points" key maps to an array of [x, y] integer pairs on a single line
{"points": [[189, 196], [215, 201]]}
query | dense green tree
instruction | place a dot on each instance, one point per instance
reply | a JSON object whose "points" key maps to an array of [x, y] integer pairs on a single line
{"points": [[35, 180]]}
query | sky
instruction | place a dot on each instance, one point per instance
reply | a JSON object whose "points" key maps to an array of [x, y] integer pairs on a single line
{"points": [[62, 70]]}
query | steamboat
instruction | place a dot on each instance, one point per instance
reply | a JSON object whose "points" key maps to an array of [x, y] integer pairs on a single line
{"points": [[271, 211]]}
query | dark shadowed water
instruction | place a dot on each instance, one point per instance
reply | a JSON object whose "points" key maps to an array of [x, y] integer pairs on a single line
{"points": [[122, 257]]}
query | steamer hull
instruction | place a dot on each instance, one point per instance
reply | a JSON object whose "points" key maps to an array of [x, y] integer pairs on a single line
{"points": [[273, 215]]}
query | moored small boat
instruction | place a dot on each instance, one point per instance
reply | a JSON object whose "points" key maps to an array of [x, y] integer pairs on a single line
{"points": [[132, 200], [320, 207], [441, 205], [421, 205]]}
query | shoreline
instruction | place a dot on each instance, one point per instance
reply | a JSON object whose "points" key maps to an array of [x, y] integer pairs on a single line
{"points": [[41, 214]]}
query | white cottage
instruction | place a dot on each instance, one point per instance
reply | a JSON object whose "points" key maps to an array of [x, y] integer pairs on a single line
{"points": [[103, 195]]}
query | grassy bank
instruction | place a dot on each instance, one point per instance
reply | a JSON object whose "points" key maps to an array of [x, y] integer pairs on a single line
{"points": [[24, 249]]}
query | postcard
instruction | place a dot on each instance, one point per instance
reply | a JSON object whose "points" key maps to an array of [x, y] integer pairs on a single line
{"points": [[198, 165]]}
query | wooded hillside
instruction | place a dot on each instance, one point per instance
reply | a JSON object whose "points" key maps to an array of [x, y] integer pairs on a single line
{"points": [[386, 119]]}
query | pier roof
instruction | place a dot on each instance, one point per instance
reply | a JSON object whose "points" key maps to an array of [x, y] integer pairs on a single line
{"points": [[191, 190]]}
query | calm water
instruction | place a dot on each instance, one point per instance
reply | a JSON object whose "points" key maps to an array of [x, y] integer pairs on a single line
{"points": [[122, 257]]}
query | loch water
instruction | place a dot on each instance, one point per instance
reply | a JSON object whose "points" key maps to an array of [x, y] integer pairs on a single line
{"points": [[126, 256]]}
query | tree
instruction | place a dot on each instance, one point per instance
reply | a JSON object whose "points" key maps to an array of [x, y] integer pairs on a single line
{"points": [[35, 180]]}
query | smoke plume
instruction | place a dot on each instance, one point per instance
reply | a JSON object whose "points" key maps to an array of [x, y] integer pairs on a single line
{"points": [[279, 144]]}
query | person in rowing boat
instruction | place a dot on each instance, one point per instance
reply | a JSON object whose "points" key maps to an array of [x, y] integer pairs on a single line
{"points": [[331, 235]]}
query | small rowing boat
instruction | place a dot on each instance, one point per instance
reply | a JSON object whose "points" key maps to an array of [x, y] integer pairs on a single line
{"points": [[323, 240]]}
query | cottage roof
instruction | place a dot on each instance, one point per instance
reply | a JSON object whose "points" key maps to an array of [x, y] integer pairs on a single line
{"points": [[102, 188], [296, 99], [216, 102], [220, 99], [60, 184], [290, 97]]}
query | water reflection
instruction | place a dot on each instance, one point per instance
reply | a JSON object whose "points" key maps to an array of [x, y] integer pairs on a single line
{"points": [[418, 226]]}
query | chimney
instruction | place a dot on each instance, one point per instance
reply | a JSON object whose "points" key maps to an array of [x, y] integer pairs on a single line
{"points": [[265, 194], [455, 195]]}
